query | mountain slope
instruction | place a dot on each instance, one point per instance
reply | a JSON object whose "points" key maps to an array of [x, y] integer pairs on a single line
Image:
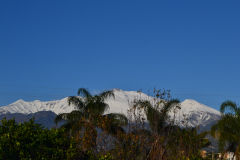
{"points": [[196, 113], [45, 118]]}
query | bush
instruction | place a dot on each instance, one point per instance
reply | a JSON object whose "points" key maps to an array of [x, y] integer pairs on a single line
{"points": [[31, 141]]}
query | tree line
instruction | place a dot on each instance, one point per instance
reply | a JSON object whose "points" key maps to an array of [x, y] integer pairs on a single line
{"points": [[148, 133]]}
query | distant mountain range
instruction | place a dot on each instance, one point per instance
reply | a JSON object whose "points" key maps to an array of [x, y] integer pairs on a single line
{"points": [[45, 112]]}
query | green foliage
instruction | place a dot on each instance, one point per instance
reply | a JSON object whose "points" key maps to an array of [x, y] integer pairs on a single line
{"points": [[187, 142], [89, 115], [166, 140], [227, 130], [91, 108], [30, 141], [157, 112], [87, 127]]}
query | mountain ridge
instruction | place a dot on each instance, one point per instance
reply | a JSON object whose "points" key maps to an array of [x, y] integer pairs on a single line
{"points": [[198, 114]]}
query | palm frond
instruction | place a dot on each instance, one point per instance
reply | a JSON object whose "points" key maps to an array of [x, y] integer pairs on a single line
{"points": [[170, 104], [229, 105], [107, 94], [226, 130], [156, 119], [60, 117], [113, 123], [153, 115], [84, 93], [96, 106], [142, 104], [75, 115], [72, 116], [77, 102], [117, 119], [68, 125]]}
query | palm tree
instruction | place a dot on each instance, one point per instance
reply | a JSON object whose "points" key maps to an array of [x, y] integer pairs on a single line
{"points": [[189, 141], [227, 130], [89, 114], [158, 114], [168, 139]]}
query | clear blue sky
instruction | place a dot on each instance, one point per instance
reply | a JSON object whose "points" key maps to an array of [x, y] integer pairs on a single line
{"points": [[48, 49]]}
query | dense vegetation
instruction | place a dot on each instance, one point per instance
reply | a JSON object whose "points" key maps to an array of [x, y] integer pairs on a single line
{"points": [[89, 134], [30, 141], [227, 130]]}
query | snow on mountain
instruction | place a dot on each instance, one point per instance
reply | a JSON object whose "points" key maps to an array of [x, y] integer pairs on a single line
{"points": [[21, 106], [197, 114]]}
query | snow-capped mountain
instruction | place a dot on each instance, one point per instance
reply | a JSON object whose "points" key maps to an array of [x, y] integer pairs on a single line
{"points": [[196, 113]]}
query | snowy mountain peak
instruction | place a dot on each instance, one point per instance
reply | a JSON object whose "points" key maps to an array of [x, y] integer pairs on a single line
{"points": [[198, 113], [19, 101], [191, 104]]}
